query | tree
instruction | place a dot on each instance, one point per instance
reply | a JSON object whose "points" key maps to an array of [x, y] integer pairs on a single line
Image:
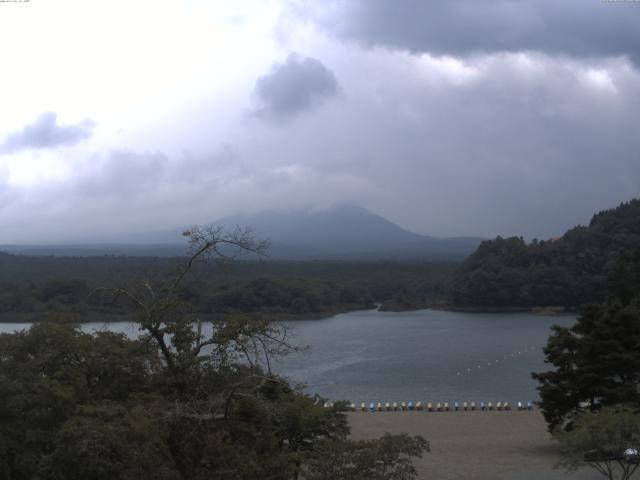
{"points": [[597, 363], [601, 439], [181, 402], [56, 382], [387, 458]]}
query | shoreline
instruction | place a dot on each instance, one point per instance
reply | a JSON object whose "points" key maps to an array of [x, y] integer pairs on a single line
{"points": [[35, 317], [541, 311]]}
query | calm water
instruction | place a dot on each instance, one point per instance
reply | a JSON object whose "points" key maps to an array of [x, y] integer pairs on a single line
{"points": [[425, 355]]}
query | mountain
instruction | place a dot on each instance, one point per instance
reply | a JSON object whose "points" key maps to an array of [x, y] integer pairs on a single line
{"points": [[345, 232], [341, 232]]}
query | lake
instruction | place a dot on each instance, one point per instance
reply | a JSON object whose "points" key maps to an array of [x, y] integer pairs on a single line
{"points": [[426, 355]]}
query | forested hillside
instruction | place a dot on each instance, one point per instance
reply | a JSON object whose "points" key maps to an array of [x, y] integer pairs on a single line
{"points": [[71, 287], [569, 271]]}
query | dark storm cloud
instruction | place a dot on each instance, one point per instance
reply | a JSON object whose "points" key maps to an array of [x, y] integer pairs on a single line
{"points": [[292, 87], [578, 28], [524, 144], [45, 132]]}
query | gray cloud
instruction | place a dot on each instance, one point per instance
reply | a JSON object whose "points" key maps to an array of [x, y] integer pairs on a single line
{"points": [[293, 87], [502, 143], [524, 144], [44, 132], [508, 144], [578, 28], [126, 192]]}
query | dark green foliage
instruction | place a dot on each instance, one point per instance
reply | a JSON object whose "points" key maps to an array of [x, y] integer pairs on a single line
{"points": [[43, 287], [569, 271], [79, 406], [389, 458], [174, 404], [287, 295], [48, 373], [598, 359], [599, 439]]}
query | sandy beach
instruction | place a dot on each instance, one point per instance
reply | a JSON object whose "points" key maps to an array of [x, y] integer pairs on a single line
{"points": [[475, 445]]}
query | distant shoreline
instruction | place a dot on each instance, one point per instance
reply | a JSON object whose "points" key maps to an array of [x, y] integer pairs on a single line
{"points": [[29, 318], [543, 311], [92, 317]]}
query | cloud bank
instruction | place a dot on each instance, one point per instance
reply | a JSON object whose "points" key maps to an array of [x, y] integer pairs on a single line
{"points": [[44, 133], [577, 28], [450, 118]]}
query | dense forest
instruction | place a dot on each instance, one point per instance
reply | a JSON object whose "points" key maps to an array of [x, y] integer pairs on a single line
{"points": [[74, 287], [505, 273], [174, 404], [569, 271]]}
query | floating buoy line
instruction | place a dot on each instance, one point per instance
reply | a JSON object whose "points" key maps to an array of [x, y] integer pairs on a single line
{"points": [[435, 407], [455, 406], [492, 363]]}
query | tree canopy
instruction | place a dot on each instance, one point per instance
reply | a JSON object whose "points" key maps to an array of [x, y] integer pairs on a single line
{"points": [[607, 440], [174, 403], [570, 271], [596, 361]]}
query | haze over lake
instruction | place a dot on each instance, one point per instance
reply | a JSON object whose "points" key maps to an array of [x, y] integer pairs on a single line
{"points": [[424, 355]]}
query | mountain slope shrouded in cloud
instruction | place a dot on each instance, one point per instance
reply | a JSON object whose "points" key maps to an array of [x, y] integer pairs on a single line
{"points": [[345, 231], [337, 233]]}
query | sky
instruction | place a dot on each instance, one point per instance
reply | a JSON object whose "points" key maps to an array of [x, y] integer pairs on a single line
{"points": [[500, 117]]}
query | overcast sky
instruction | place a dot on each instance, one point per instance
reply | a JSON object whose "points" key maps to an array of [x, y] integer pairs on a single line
{"points": [[467, 117]]}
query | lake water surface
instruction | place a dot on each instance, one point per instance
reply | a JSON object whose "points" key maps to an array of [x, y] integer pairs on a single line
{"points": [[425, 355]]}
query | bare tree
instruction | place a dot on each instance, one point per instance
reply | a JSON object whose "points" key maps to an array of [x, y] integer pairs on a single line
{"points": [[177, 331]]}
